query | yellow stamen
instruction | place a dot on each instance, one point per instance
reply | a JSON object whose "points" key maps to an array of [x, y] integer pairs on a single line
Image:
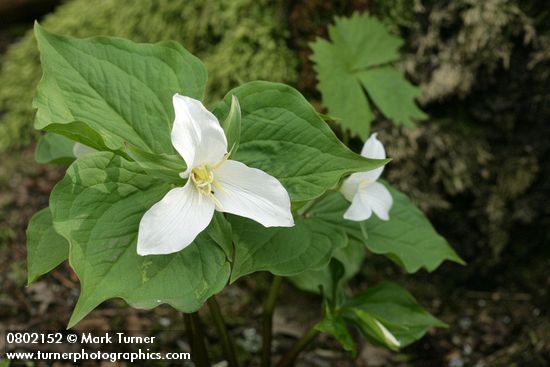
{"points": [[203, 179]]}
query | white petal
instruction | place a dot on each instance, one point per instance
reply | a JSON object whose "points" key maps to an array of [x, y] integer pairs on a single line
{"points": [[174, 222], [390, 338], [359, 209], [197, 134], [373, 149], [350, 186], [353, 184], [80, 150], [252, 193], [379, 199]]}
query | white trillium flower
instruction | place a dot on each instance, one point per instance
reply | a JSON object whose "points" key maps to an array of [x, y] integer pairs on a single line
{"points": [[361, 189], [213, 183], [390, 338]]}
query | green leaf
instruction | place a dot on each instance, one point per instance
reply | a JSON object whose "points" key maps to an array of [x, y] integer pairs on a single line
{"points": [[120, 89], [54, 148], [392, 94], [45, 248], [374, 329], [5, 363], [84, 134], [364, 41], [336, 326], [331, 210], [282, 251], [97, 207], [395, 308], [408, 237], [164, 166], [350, 256], [232, 125], [358, 57], [221, 232], [284, 136], [341, 91]]}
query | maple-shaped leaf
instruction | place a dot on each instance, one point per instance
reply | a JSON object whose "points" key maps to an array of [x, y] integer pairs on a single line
{"points": [[357, 60]]}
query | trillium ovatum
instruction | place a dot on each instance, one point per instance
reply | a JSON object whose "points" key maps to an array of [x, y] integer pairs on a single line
{"points": [[115, 96]]}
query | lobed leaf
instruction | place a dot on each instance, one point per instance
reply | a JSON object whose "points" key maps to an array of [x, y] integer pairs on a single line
{"points": [[359, 56]]}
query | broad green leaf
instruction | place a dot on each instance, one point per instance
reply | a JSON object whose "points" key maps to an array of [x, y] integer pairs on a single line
{"points": [[350, 256], [358, 56], [336, 326], [232, 125], [5, 363], [120, 89], [408, 237], [282, 251], [164, 166], [97, 207], [84, 134], [220, 231], [392, 94], [395, 308], [45, 248], [331, 210], [283, 135], [54, 148]]}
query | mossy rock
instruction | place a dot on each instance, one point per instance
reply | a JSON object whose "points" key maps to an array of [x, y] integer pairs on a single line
{"points": [[238, 40]]}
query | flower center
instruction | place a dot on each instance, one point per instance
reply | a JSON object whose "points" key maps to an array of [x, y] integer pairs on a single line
{"points": [[203, 178], [364, 183]]}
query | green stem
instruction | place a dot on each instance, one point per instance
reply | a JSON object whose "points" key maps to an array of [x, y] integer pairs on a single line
{"points": [[345, 137], [219, 322], [290, 356], [196, 339], [267, 320], [310, 205]]}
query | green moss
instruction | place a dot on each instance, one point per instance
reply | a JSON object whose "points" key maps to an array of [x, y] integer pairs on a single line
{"points": [[238, 40]]}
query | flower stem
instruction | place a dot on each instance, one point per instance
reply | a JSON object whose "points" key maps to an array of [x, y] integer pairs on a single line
{"points": [[267, 322], [289, 358], [225, 339], [196, 339]]}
